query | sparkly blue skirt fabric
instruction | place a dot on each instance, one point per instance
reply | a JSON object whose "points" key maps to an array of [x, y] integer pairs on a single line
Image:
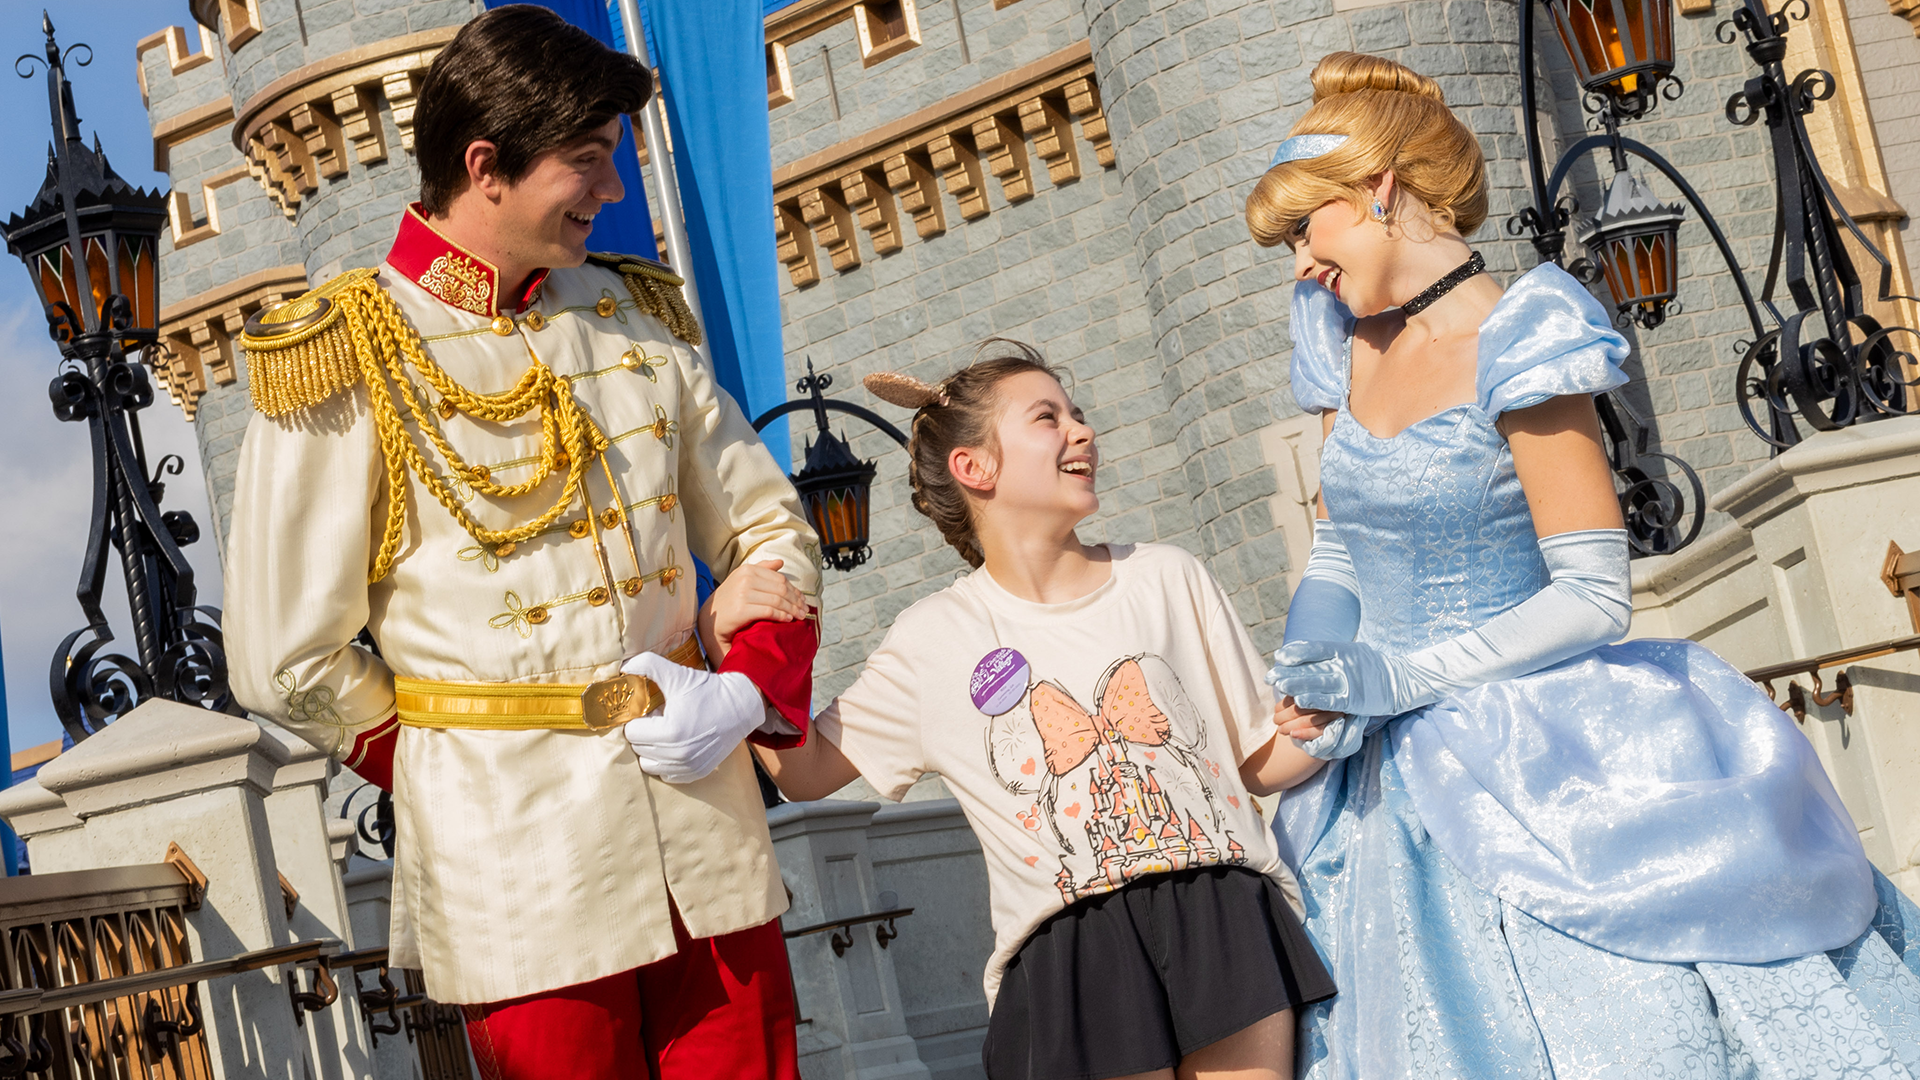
{"points": [[1440, 979]]}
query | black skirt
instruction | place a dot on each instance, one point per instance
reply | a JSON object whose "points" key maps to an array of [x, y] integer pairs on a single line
{"points": [[1134, 980]]}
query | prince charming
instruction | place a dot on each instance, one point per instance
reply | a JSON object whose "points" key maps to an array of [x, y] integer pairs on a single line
{"points": [[498, 455]]}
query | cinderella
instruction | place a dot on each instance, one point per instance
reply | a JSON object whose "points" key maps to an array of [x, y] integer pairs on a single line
{"points": [[1533, 854]]}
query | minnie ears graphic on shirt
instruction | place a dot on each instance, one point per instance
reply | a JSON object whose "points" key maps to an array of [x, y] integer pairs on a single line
{"points": [[904, 390]]}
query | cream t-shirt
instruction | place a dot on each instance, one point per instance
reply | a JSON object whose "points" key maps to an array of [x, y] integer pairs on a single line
{"points": [[1089, 743]]}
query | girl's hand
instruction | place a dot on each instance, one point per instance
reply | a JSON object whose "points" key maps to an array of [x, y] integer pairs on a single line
{"points": [[1305, 725], [753, 592]]}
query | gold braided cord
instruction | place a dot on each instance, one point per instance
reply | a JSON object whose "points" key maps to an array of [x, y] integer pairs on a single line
{"points": [[663, 301]]}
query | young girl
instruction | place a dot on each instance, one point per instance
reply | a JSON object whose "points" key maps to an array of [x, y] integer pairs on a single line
{"points": [[1555, 857], [1099, 713]]}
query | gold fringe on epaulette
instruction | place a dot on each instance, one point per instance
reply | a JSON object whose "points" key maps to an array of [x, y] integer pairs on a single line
{"points": [[661, 299], [298, 368]]}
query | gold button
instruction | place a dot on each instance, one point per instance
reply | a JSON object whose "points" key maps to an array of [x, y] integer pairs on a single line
{"points": [[502, 325], [611, 518], [480, 473], [538, 614], [505, 549], [598, 596], [445, 408], [535, 320], [659, 428], [632, 586], [579, 529], [605, 308], [629, 361], [668, 502], [669, 575], [561, 460]]}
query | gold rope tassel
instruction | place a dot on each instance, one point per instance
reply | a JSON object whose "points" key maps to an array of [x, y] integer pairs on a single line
{"points": [[350, 331]]}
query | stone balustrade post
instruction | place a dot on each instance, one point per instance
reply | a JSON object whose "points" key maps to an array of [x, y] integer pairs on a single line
{"points": [[168, 773], [56, 840], [304, 849], [852, 1020]]}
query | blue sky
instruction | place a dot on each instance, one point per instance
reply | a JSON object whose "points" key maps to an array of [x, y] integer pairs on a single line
{"points": [[45, 471]]}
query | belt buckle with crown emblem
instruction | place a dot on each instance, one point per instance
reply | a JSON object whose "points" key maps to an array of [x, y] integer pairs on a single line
{"points": [[610, 703]]}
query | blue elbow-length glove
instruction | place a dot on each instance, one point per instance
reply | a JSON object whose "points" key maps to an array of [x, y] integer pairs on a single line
{"points": [[1587, 603], [1326, 607]]}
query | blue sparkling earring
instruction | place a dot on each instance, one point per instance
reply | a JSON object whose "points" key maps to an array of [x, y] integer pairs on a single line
{"points": [[1379, 212]]}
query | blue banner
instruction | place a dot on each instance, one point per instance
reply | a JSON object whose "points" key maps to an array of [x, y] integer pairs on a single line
{"points": [[625, 227], [712, 58]]}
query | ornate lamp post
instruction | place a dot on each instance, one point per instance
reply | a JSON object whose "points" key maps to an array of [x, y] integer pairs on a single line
{"points": [[834, 484], [89, 241], [1622, 53]]}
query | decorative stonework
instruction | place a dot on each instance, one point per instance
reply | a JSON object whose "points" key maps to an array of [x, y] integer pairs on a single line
{"points": [[180, 212], [179, 60], [866, 182], [1908, 10], [196, 334], [301, 128]]}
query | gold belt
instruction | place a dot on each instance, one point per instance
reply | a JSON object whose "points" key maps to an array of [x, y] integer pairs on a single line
{"points": [[525, 706]]}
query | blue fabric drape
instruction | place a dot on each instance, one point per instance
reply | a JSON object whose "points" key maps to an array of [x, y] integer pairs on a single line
{"points": [[625, 226], [712, 58]]}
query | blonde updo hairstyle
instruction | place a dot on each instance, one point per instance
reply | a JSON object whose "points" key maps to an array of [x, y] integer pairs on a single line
{"points": [[1394, 118], [961, 410]]}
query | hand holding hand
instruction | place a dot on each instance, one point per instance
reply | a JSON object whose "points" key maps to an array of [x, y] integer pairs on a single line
{"points": [[706, 715], [1302, 724], [753, 592], [1348, 677]]}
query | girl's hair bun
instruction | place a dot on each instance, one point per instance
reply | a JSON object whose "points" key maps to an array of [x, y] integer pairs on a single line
{"points": [[1350, 72], [904, 390]]}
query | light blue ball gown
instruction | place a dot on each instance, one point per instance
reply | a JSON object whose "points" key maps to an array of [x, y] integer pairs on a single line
{"points": [[1629, 864]]}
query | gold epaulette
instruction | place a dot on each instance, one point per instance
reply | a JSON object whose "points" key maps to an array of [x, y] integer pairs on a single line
{"points": [[656, 288], [301, 352]]}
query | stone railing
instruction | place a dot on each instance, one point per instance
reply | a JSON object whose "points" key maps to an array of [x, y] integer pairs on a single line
{"points": [[196, 334], [300, 129], [866, 183]]}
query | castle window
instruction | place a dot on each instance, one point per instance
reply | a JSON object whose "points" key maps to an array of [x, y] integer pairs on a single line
{"points": [[885, 28], [779, 76]]}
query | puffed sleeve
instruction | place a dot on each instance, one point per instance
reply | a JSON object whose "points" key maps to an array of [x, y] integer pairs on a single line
{"points": [[1321, 325], [308, 495], [1547, 337], [742, 509]]}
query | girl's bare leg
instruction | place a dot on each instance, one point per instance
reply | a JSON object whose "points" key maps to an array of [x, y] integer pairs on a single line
{"points": [[1261, 1052]]}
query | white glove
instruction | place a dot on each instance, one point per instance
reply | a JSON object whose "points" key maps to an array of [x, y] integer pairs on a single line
{"points": [[706, 715], [1587, 603]]}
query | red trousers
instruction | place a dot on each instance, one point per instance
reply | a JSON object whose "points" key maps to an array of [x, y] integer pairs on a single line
{"points": [[718, 1007]]}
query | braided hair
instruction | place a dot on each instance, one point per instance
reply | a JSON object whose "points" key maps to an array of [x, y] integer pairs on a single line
{"points": [[960, 410]]}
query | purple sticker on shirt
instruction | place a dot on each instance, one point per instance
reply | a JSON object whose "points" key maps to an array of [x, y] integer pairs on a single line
{"points": [[999, 681]]}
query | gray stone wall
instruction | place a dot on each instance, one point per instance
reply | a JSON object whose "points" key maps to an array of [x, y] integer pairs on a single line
{"points": [[300, 32], [350, 221]]}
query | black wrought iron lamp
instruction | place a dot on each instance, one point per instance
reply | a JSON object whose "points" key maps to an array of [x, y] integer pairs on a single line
{"points": [[1635, 240], [1622, 50], [834, 485], [89, 240]]}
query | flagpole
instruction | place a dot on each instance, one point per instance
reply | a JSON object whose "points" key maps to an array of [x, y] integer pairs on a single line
{"points": [[653, 121]]}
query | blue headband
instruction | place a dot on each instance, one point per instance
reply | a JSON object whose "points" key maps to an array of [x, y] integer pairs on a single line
{"points": [[1305, 146]]}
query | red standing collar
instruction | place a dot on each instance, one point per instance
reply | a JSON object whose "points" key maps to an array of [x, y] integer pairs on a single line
{"points": [[454, 275]]}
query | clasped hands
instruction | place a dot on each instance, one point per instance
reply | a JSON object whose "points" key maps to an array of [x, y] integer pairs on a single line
{"points": [[1324, 683], [707, 713]]}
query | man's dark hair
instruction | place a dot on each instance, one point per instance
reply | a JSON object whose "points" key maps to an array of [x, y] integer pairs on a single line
{"points": [[524, 79]]}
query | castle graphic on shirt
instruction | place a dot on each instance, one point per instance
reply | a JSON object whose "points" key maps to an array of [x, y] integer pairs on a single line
{"points": [[1123, 790]]}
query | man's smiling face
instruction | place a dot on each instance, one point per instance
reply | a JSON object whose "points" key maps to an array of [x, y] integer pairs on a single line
{"points": [[546, 216]]}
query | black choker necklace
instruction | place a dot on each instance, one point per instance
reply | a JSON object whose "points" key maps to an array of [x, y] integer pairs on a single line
{"points": [[1474, 265]]}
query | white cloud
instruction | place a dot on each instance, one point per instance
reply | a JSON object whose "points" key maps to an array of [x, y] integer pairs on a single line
{"points": [[46, 485]]}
